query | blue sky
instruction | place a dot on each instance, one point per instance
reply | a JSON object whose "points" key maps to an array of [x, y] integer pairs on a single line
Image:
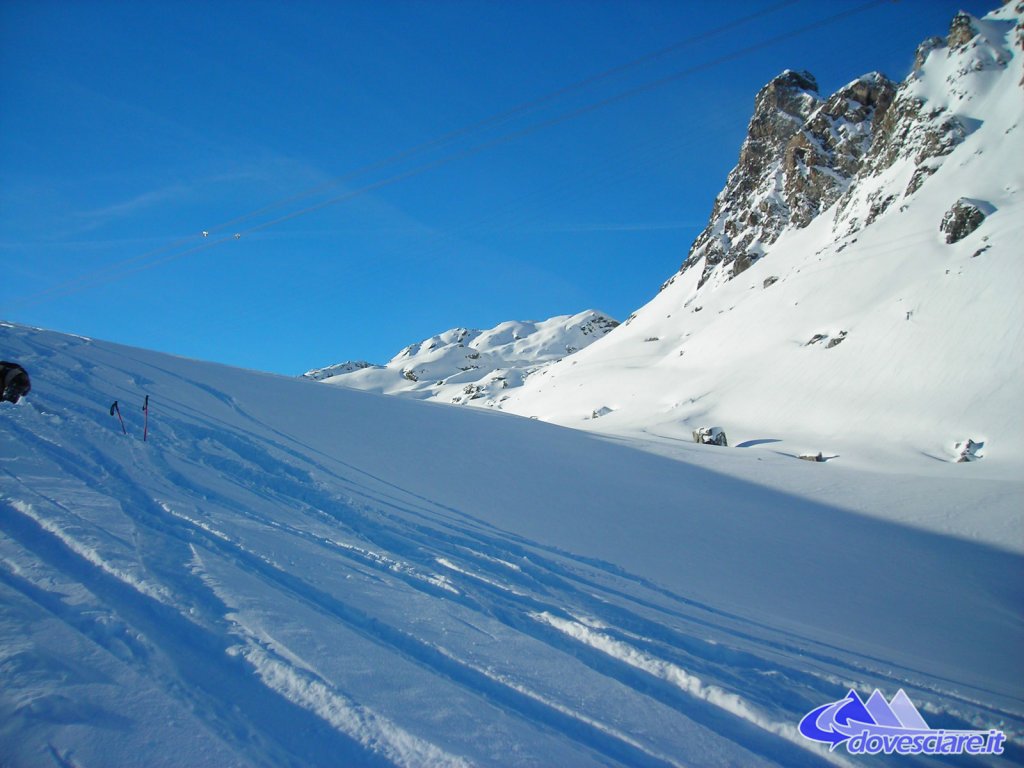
{"points": [[128, 128]]}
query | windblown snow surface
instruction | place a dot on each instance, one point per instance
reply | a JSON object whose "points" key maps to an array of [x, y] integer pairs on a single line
{"points": [[292, 574]]}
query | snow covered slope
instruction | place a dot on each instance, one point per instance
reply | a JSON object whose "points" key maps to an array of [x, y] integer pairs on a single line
{"points": [[295, 574], [858, 290], [472, 367]]}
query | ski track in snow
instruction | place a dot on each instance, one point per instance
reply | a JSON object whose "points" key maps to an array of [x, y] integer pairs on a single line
{"points": [[214, 589]]}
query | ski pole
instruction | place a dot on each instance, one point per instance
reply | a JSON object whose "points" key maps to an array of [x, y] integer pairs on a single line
{"points": [[115, 410], [145, 428]]}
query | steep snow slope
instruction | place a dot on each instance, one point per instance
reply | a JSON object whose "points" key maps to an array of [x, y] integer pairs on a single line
{"points": [[294, 574], [464, 366], [866, 332]]}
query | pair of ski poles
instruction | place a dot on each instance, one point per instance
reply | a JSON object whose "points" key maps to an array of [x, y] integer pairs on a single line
{"points": [[115, 409]]}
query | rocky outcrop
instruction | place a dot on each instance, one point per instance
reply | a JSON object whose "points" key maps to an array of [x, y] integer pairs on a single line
{"points": [[909, 130], [751, 210], [863, 150], [926, 47], [961, 30], [963, 218], [916, 133], [798, 158], [598, 325], [824, 155]]}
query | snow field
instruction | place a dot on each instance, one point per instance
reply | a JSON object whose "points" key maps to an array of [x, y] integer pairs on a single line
{"points": [[304, 574]]}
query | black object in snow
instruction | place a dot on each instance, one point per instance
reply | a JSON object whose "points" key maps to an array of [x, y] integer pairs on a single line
{"points": [[14, 382]]}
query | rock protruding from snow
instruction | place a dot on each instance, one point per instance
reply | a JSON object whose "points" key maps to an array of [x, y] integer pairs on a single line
{"points": [[751, 211], [968, 450], [799, 157], [925, 48], [822, 158], [466, 366], [963, 218], [710, 436], [929, 118], [818, 457], [961, 30], [802, 155]]}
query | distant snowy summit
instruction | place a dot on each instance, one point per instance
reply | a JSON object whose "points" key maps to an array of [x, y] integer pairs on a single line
{"points": [[464, 366]]}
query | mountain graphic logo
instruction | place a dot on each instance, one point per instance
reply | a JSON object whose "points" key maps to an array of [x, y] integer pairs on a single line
{"points": [[877, 726]]}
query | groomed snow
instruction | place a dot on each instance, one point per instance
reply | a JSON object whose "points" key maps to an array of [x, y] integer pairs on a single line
{"points": [[288, 573]]}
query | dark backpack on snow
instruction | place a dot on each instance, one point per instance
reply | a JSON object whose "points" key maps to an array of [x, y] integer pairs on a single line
{"points": [[14, 382]]}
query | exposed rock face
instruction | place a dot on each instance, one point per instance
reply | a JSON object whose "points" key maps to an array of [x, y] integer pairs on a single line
{"points": [[864, 149], [925, 48], [961, 30], [909, 130], [822, 158], [962, 219], [751, 211], [797, 160], [914, 133]]}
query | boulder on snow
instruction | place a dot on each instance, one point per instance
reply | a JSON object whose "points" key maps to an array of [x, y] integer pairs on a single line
{"points": [[604, 410], [710, 436], [968, 451], [963, 218], [836, 340], [816, 338], [832, 340]]}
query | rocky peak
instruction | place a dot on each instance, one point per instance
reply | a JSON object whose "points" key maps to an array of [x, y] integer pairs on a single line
{"points": [[750, 211], [915, 135], [826, 153], [926, 47], [961, 30], [861, 150], [779, 109], [797, 160]]}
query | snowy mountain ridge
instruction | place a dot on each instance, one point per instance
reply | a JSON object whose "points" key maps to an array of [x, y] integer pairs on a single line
{"points": [[857, 290], [479, 367]]}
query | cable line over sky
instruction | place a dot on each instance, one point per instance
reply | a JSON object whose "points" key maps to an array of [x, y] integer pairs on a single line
{"points": [[172, 251]]}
